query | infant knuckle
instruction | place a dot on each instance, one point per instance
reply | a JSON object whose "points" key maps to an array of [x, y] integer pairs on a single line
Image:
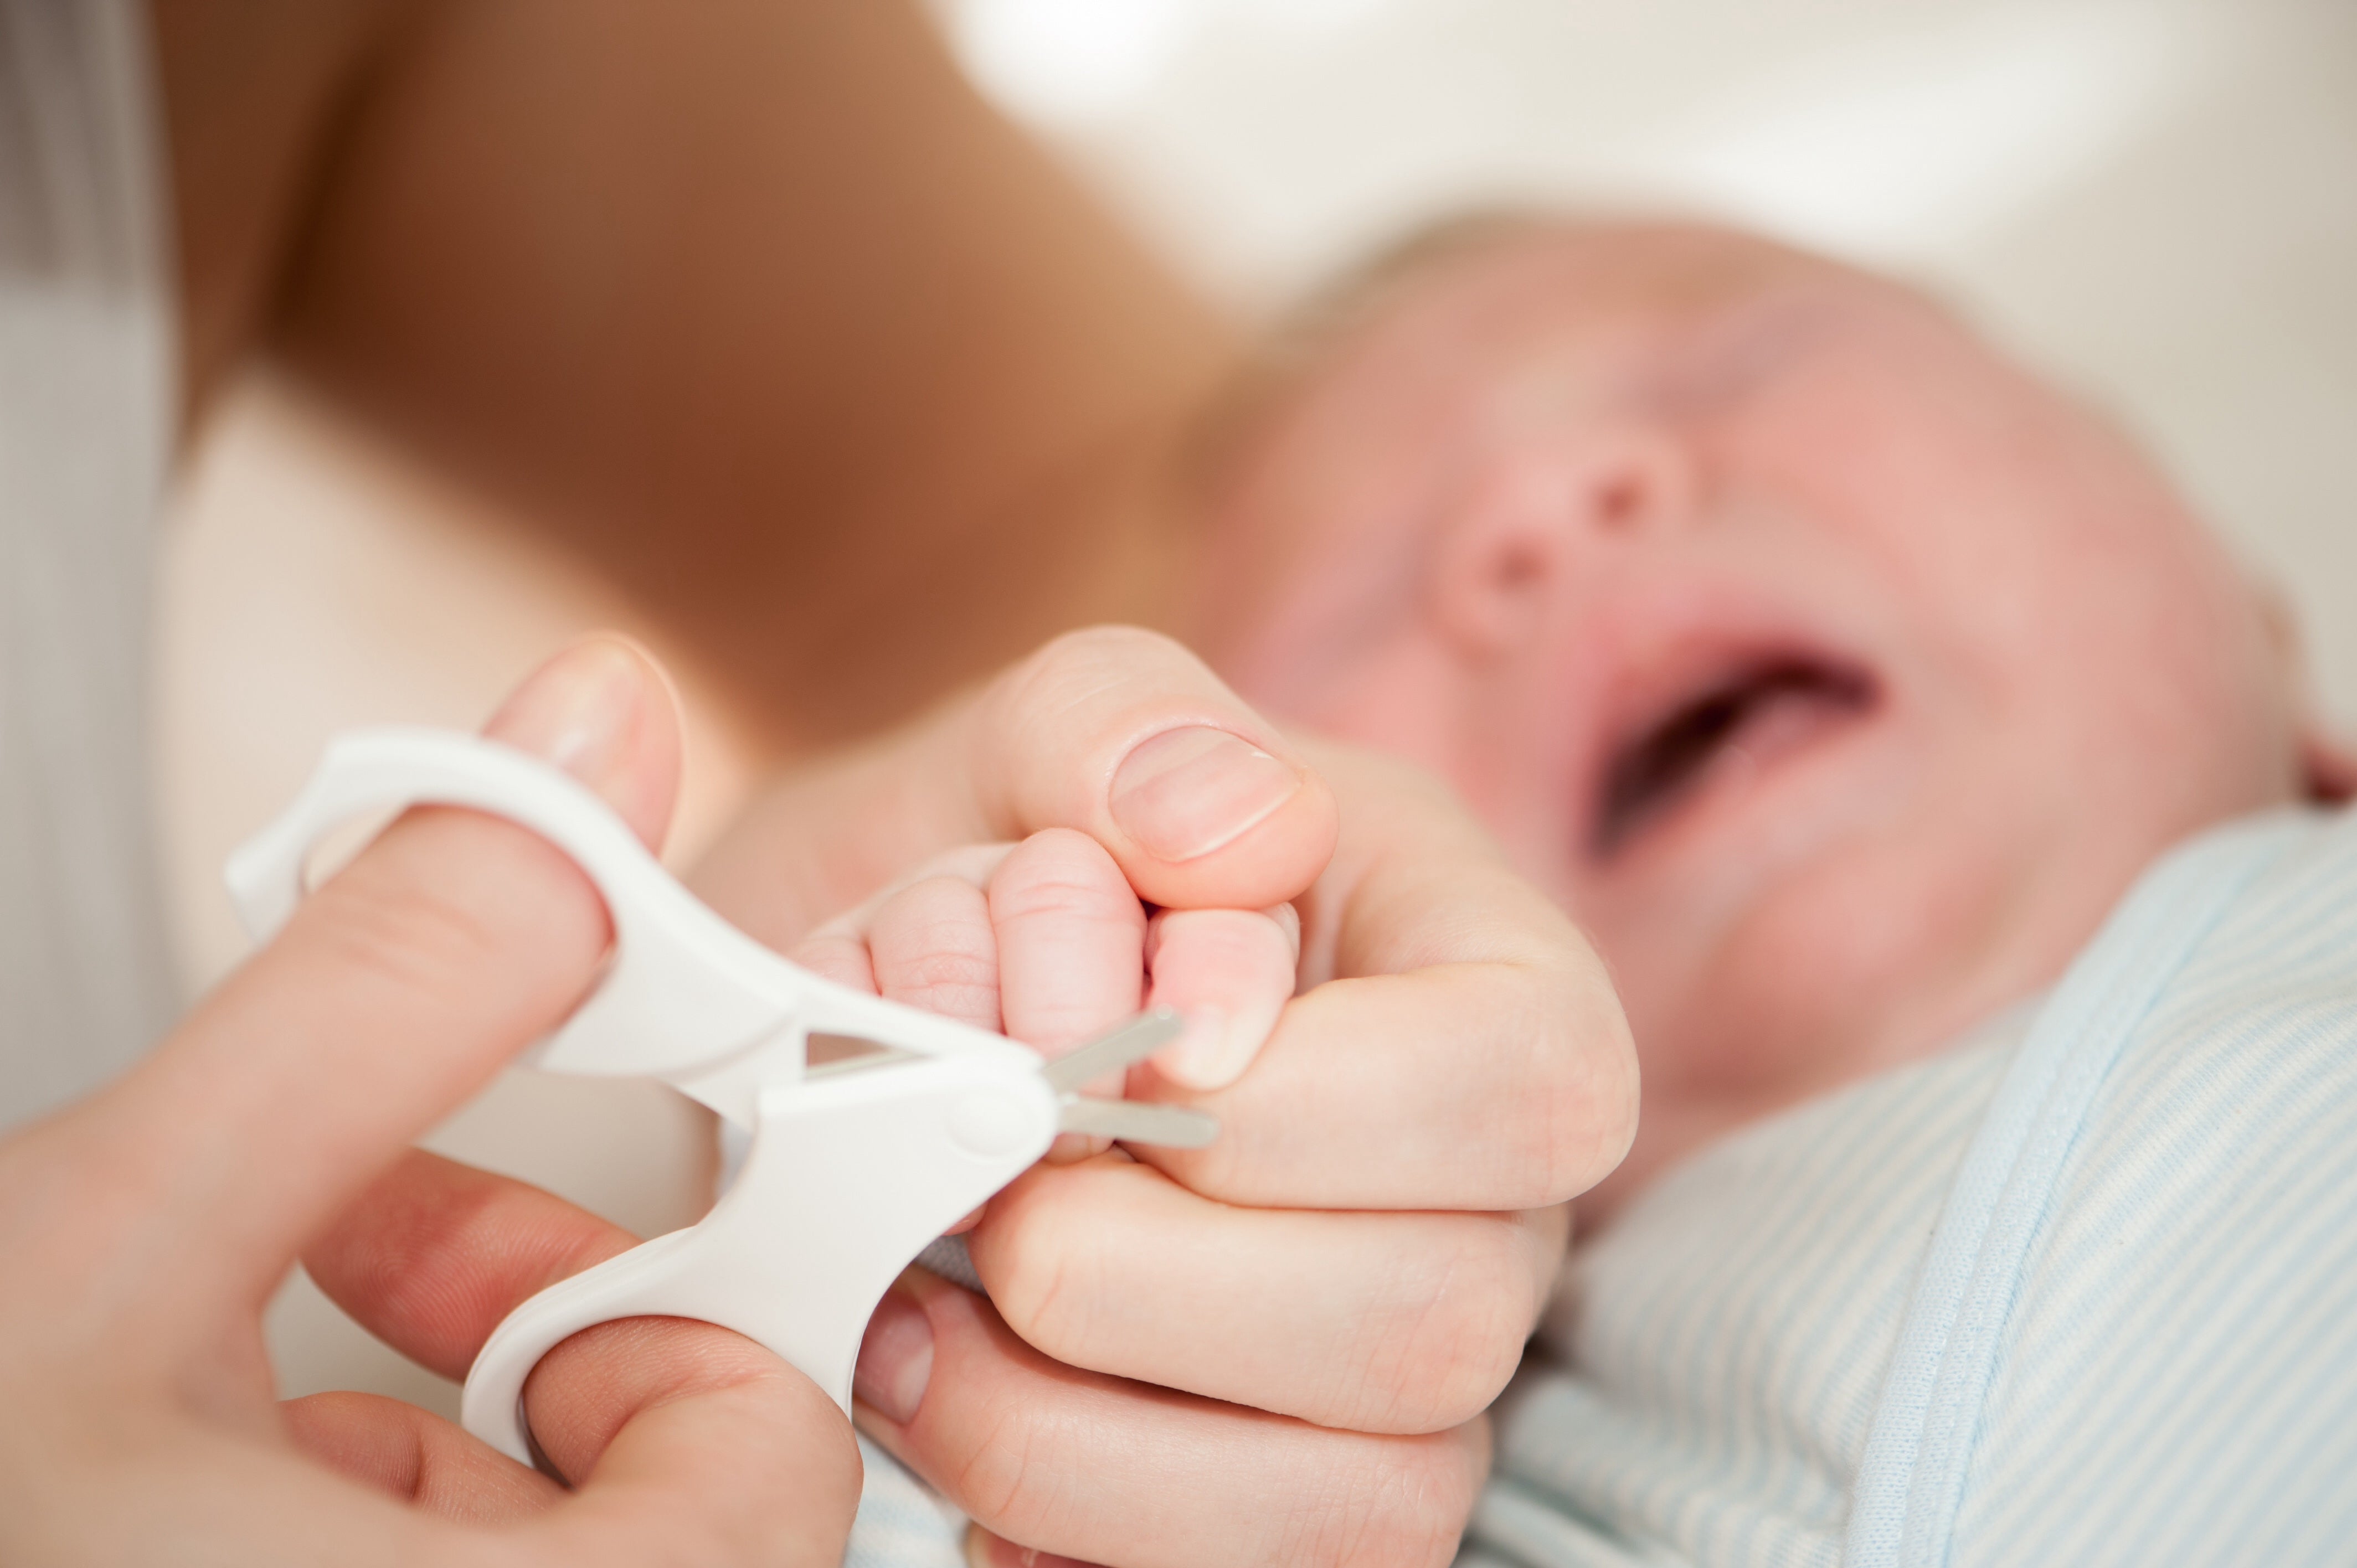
{"points": [[954, 970], [1075, 884]]}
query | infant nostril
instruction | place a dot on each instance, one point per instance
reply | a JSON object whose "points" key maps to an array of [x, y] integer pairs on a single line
{"points": [[1519, 568], [1618, 503]]}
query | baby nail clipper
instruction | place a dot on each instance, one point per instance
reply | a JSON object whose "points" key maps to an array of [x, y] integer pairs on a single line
{"points": [[854, 1166]]}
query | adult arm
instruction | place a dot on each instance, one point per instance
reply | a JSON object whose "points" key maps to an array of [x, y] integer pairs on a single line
{"points": [[754, 302]]}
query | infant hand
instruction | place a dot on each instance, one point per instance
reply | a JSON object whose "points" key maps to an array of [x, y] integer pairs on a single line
{"points": [[1277, 1348], [1045, 941]]}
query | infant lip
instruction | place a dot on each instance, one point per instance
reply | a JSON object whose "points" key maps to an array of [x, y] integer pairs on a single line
{"points": [[1652, 771], [1183, 793]]}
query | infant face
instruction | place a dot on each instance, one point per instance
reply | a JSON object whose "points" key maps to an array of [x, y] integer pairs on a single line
{"points": [[1834, 672]]}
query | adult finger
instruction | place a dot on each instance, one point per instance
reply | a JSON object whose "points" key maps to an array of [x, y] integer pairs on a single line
{"points": [[1465, 1050], [436, 1253], [1401, 1322], [688, 1443], [1003, 1430], [983, 1549], [418, 1457], [1119, 733], [397, 990], [685, 1441]]}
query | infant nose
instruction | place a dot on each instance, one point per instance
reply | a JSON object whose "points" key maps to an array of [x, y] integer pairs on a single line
{"points": [[1540, 514]]}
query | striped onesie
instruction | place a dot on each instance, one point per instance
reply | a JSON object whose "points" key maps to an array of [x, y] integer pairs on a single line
{"points": [[2082, 1289]]}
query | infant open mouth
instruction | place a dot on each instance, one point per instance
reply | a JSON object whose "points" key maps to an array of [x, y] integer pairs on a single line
{"points": [[1768, 705]]}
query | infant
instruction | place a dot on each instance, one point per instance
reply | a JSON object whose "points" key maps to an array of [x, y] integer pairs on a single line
{"points": [[1842, 679]]}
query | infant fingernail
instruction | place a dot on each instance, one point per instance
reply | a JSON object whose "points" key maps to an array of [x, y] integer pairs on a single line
{"points": [[1186, 792], [576, 709], [1212, 1053], [895, 1358]]}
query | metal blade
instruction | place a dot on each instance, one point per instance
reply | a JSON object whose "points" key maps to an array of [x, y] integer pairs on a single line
{"points": [[1135, 1122], [1123, 1045], [827, 1055]]}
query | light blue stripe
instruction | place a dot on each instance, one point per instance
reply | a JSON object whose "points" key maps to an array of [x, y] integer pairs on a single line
{"points": [[1913, 1479]]}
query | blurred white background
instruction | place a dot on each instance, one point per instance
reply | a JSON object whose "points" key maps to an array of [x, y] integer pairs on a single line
{"points": [[2155, 200]]}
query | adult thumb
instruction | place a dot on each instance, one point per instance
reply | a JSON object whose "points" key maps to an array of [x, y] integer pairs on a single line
{"points": [[1118, 733]]}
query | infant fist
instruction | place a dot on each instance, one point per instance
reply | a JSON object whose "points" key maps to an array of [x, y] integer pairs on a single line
{"points": [[1044, 941]]}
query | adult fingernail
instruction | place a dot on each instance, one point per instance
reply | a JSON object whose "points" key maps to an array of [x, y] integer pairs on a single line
{"points": [[895, 1358], [1186, 792], [578, 709]]}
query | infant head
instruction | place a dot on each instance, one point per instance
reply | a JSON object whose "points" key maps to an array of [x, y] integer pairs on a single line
{"points": [[1834, 672]]}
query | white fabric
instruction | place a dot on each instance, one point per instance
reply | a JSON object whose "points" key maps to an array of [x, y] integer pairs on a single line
{"points": [[2084, 1294], [85, 428]]}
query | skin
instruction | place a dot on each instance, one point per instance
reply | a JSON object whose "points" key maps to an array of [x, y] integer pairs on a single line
{"points": [[149, 1226], [1165, 1323], [1541, 491], [827, 366], [857, 431], [757, 308], [154, 1219]]}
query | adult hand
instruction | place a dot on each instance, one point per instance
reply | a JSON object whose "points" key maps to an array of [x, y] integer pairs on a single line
{"points": [[142, 1232], [1276, 1349]]}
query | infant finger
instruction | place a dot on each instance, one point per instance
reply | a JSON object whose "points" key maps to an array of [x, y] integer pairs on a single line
{"points": [[838, 949], [933, 947], [837, 953], [1229, 973], [1169, 1479], [1071, 940], [1395, 1322]]}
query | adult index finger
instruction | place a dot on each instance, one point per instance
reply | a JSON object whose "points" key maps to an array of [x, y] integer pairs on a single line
{"points": [[397, 990]]}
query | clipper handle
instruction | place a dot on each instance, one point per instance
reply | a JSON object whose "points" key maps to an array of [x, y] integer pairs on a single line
{"points": [[687, 997], [849, 1178], [684, 987]]}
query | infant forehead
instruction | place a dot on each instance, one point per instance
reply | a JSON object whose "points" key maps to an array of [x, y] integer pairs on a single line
{"points": [[1674, 317]]}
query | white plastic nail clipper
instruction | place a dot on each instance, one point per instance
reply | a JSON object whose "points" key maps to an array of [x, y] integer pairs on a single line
{"points": [[854, 1165]]}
